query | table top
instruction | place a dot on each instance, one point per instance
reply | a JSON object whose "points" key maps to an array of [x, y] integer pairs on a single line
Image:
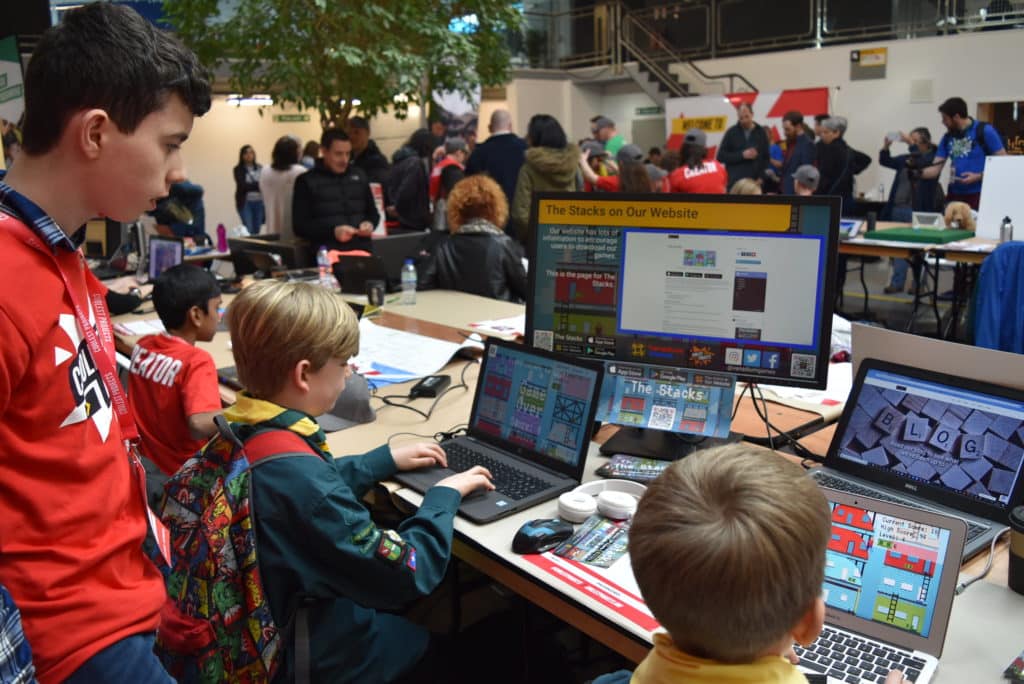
{"points": [[446, 315], [972, 250]]}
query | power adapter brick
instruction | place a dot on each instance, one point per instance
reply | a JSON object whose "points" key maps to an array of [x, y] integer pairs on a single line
{"points": [[430, 386]]}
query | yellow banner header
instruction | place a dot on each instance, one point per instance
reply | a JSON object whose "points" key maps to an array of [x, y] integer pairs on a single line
{"points": [[708, 124], [769, 218]]}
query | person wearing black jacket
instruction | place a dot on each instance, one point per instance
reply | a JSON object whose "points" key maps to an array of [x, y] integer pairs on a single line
{"points": [[838, 163], [501, 155], [332, 204], [910, 191], [477, 257], [744, 148], [365, 153]]}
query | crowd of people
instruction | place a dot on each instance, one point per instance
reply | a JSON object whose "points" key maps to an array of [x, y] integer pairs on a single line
{"points": [[80, 600]]}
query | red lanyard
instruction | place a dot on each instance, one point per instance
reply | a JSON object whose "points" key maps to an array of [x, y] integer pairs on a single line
{"points": [[101, 346]]}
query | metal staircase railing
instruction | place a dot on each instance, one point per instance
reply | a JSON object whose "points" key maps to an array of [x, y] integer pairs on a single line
{"points": [[660, 54]]}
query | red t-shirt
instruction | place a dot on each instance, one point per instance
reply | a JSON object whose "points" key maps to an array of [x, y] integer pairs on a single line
{"points": [[435, 176], [708, 179], [604, 184], [170, 380], [72, 511]]}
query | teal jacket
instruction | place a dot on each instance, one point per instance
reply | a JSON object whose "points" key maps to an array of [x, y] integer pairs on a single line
{"points": [[315, 538]]}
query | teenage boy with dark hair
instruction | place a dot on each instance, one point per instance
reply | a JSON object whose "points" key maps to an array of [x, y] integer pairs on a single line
{"points": [[109, 100], [172, 384]]}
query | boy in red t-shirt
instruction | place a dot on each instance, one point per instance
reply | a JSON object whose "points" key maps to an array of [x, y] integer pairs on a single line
{"points": [[109, 100], [172, 384]]}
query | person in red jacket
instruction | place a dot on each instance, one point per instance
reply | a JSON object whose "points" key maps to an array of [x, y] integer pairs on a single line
{"points": [[697, 174], [109, 100], [172, 384], [456, 154]]}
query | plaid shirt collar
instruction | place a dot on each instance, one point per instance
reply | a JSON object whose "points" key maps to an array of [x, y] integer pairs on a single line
{"points": [[29, 213]]}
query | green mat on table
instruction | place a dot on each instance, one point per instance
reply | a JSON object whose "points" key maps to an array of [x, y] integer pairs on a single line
{"points": [[931, 236]]}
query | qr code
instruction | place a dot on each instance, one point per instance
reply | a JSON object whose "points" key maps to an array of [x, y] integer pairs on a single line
{"points": [[662, 417], [543, 339], [803, 365]]}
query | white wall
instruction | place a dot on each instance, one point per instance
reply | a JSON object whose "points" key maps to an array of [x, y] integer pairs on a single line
{"points": [[977, 67], [212, 149]]}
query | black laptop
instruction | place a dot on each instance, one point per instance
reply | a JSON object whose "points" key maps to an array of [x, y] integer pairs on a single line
{"points": [[530, 426], [352, 272], [934, 441]]}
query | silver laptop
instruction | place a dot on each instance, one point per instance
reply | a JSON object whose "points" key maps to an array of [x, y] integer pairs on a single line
{"points": [[890, 578], [927, 219], [934, 441], [530, 426]]}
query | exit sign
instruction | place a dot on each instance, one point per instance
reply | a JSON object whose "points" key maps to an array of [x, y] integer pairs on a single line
{"points": [[291, 118], [647, 111]]}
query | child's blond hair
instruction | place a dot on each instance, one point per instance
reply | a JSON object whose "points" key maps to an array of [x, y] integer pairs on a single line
{"points": [[728, 549], [274, 325]]}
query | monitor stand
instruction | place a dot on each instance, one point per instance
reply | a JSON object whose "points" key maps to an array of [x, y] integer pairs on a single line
{"points": [[661, 444]]}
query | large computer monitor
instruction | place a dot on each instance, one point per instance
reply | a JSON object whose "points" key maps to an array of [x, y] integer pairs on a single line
{"points": [[733, 284]]}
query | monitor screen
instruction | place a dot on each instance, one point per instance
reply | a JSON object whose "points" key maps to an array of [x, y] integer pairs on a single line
{"points": [[164, 252], [733, 284]]}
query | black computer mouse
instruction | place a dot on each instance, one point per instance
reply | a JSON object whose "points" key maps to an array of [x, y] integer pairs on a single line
{"points": [[543, 534]]}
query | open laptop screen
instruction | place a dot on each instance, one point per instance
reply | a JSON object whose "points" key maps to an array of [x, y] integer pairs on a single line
{"points": [[885, 568], [164, 252], [935, 432], [535, 402]]}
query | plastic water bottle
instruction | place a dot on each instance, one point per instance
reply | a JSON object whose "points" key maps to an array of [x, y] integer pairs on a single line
{"points": [[323, 265], [408, 282], [1006, 230]]}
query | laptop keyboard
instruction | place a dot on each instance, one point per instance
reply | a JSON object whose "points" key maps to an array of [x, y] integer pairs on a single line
{"points": [[848, 658], [973, 529], [508, 480]]}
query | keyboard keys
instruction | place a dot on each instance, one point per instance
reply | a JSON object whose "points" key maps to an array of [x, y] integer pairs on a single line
{"points": [[508, 480]]}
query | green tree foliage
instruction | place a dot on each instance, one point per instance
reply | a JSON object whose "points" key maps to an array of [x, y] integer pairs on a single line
{"points": [[322, 54]]}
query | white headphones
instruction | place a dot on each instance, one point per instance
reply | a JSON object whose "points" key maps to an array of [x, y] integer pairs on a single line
{"points": [[615, 499]]}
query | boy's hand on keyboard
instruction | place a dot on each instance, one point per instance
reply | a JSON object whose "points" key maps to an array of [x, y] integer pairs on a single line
{"points": [[419, 455], [469, 481], [895, 677]]}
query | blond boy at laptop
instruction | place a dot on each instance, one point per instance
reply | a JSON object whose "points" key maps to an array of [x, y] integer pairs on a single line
{"points": [[292, 343], [728, 549]]}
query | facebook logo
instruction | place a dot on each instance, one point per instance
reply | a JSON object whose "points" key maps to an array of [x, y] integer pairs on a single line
{"points": [[771, 359]]}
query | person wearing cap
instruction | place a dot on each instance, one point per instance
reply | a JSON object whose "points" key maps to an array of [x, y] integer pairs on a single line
{"points": [[632, 176], [658, 178], [365, 153], [805, 180], [697, 174], [456, 153], [604, 131], [799, 150], [500, 156], [593, 157], [744, 149]]}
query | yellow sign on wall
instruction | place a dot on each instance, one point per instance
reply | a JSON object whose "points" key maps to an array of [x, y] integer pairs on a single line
{"points": [[708, 124]]}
